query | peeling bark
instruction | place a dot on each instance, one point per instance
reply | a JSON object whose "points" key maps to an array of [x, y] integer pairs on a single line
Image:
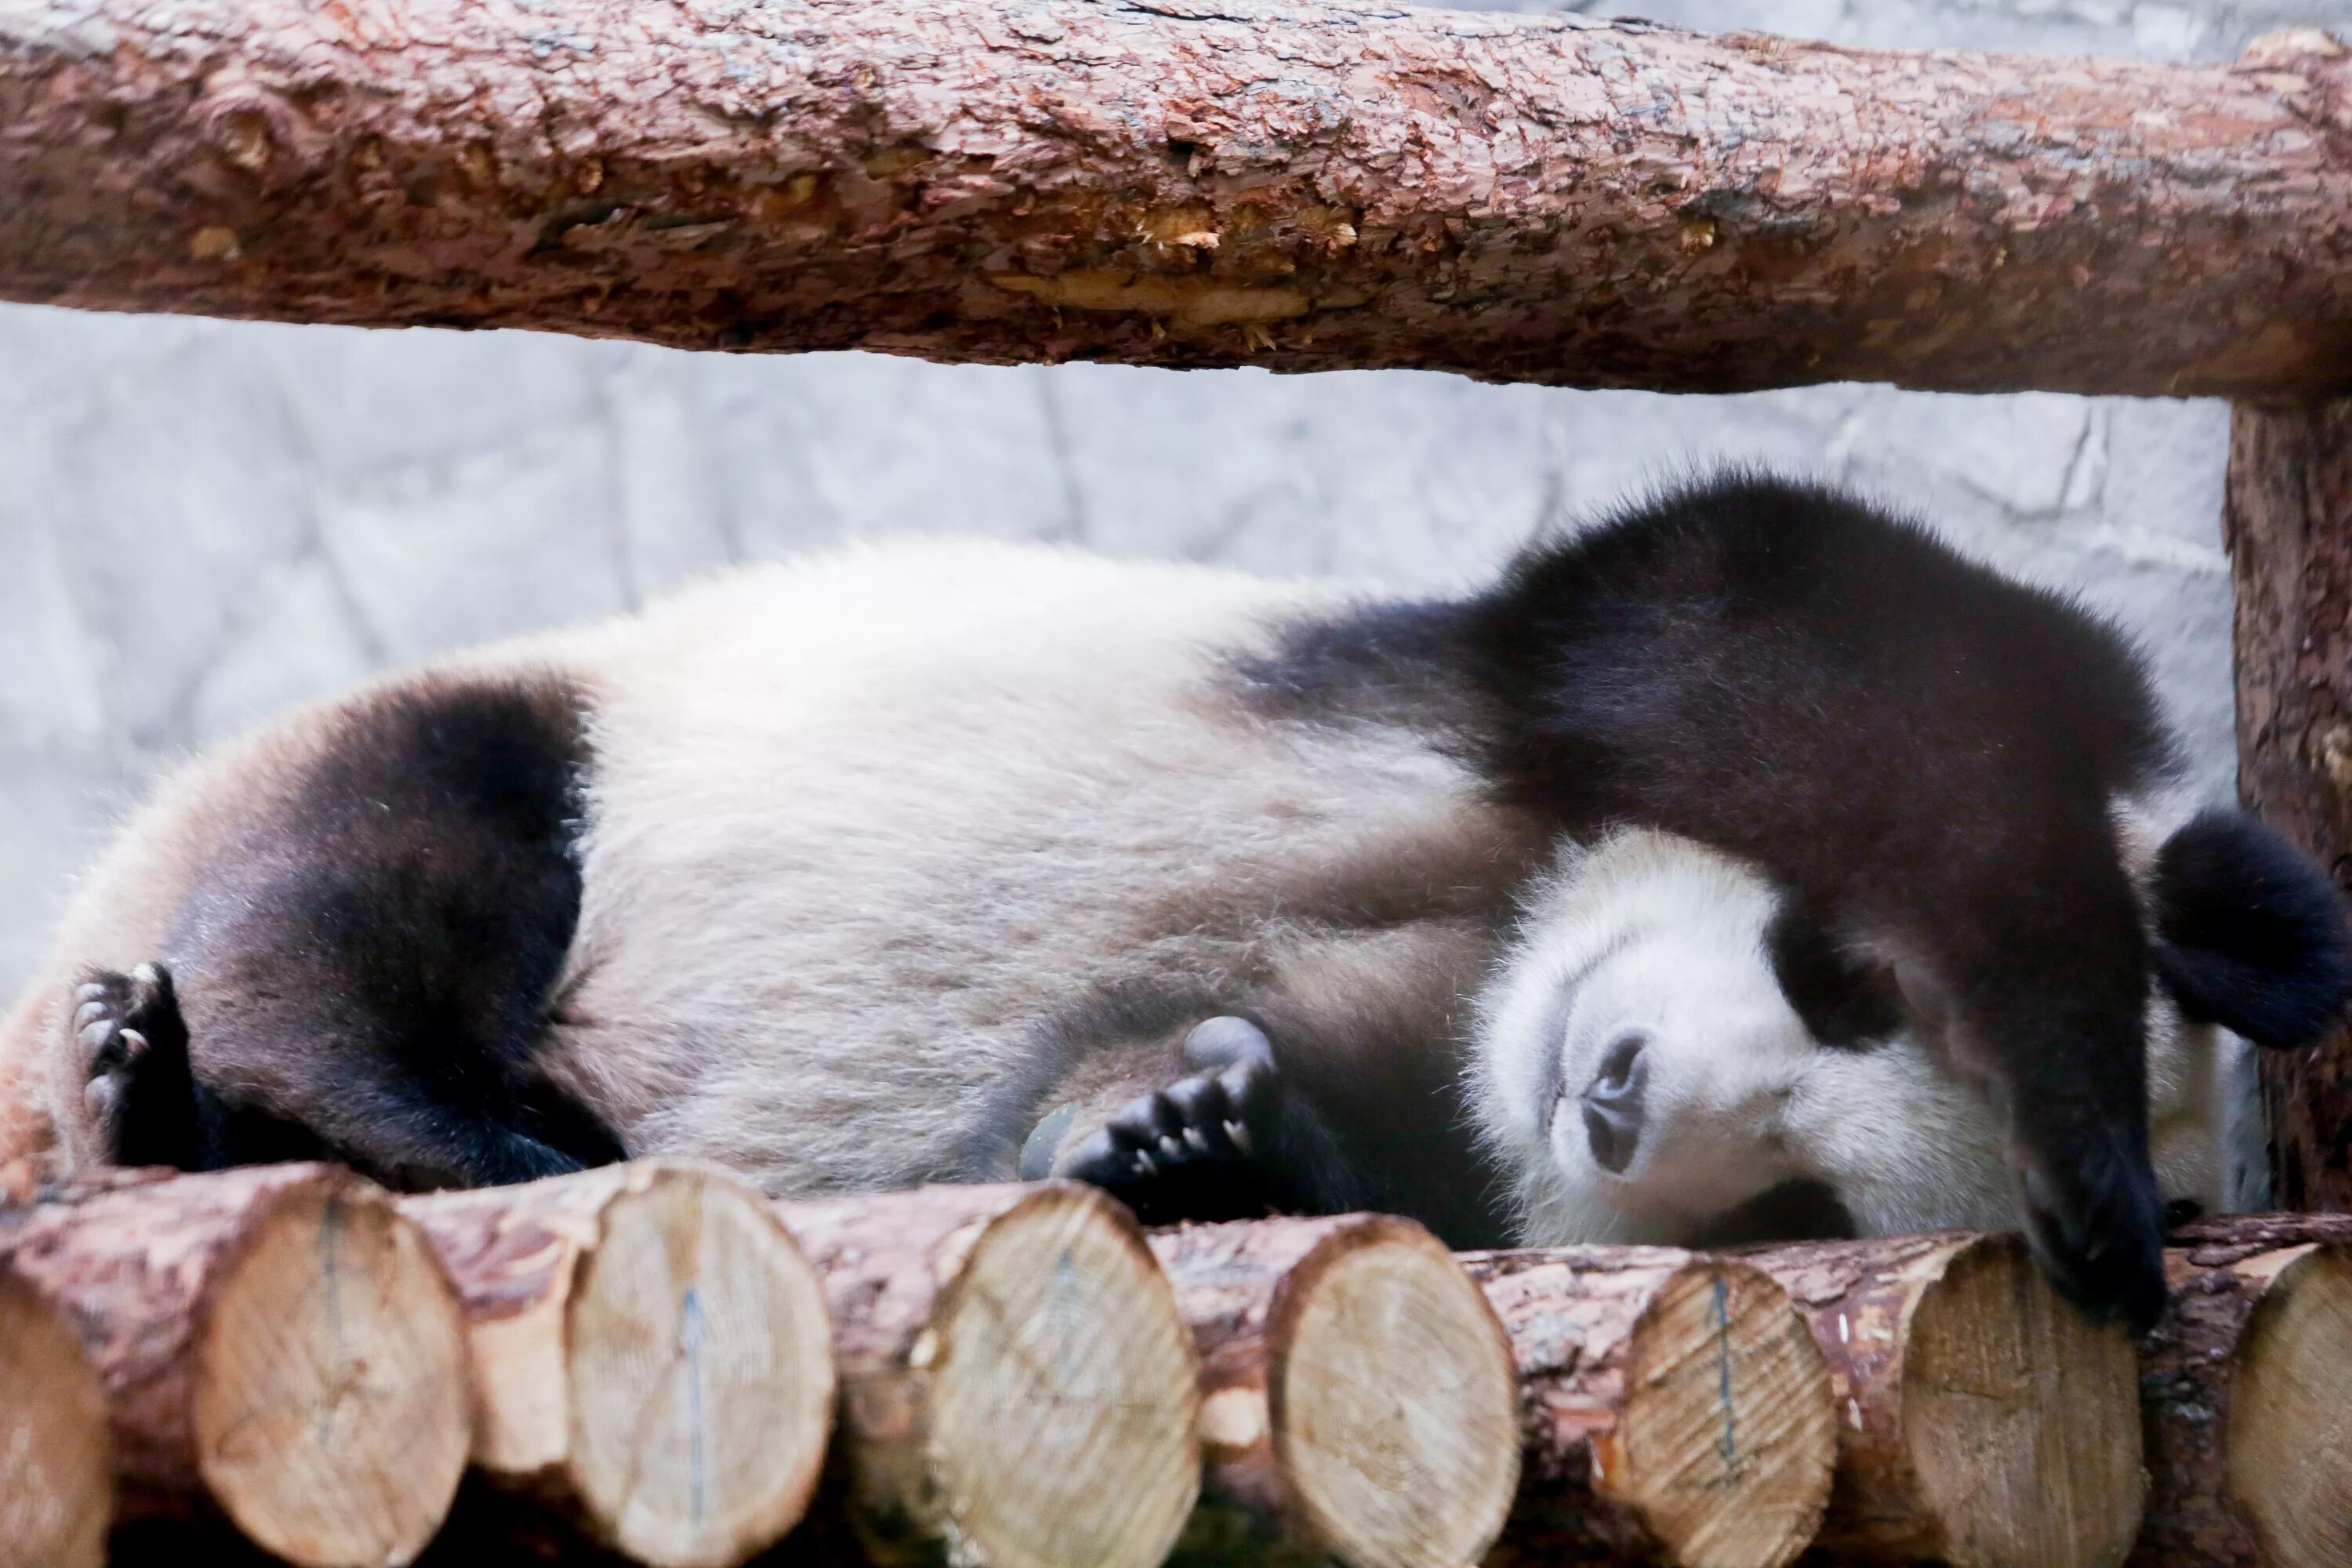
{"points": [[1305, 186]]}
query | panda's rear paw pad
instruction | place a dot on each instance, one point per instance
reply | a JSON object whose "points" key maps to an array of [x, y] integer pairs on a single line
{"points": [[132, 1043], [1185, 1152]]}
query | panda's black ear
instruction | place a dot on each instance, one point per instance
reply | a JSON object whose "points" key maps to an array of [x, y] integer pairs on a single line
{"points": [[1845, 1002], [2249, 935]]}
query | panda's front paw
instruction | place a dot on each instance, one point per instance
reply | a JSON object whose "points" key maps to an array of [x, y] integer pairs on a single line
{"points": [[2097, 1223], [1189, 1151], [137, 1084]]}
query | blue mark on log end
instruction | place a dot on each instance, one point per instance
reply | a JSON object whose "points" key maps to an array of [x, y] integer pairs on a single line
{"points": [[691, 1332], [330, 1239], [1728, 1444]]}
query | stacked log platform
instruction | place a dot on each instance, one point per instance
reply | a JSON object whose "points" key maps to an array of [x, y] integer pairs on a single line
{"points": [[655, 1365]]}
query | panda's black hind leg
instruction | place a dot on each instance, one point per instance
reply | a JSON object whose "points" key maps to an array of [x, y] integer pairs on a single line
{"points": [[1193, 1151]]}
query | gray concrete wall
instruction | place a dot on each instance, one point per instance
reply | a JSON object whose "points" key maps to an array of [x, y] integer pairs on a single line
{"points": [[205, 522]]}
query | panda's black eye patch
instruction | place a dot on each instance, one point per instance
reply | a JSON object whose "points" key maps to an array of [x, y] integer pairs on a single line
{"points": [[1845, 1002]]}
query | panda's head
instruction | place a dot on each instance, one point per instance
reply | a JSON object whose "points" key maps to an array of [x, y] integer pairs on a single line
{"points": [[1672, 1052]]}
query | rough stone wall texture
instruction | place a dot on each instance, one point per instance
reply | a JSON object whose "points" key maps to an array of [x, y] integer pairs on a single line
{"points": [[205, 522]]}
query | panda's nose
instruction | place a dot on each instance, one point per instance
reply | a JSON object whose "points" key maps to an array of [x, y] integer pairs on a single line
{"points": [[1613, 1104]]}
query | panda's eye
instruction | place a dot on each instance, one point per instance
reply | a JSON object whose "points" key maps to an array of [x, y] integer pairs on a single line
{"points": [[1845, 1002]]}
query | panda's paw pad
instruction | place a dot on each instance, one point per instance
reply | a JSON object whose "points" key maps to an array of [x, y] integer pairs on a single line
{"points": [[127, 1030], [1185, 1152]]}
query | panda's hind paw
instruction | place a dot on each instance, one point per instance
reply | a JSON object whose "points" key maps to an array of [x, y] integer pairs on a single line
{"points": [[135, 1055], [1187, 1152]]}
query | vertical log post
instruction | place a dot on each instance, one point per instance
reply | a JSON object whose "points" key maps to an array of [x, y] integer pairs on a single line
{"points": [[279, 1341], [2288, 525], [1017, 1388], [2244, 1392], [1358, 1400], [650, 1356], [1983, 1422], [1674, 1410]]}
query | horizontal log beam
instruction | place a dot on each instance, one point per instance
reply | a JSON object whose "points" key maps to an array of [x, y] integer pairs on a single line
{"points": [[651, 1360], [1982, 1421], [1360, 1403], [1674, 1410], [1304, 186], [1018, 1385], [276, 1347]]}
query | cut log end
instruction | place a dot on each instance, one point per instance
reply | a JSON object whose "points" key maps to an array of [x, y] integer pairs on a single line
{"points": [[700, 1371], [328, 1388], [2021, 1418], [1064, 1392], [2290, 1445], [1727, 1439], [56, 1475], [1392, 1400]]}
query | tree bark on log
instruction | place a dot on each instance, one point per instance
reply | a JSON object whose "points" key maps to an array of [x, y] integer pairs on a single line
{"points": [[279, 1340], [1983, 1422], [1306, 186], [2244, 1388], [1018, 1389], [1358, 1399], [2288, 525], [1674, 1408], [650, 1356], [56, 1488]]}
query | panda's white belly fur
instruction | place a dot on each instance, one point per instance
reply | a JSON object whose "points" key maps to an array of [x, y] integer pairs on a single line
{"points": [[856, 821]]}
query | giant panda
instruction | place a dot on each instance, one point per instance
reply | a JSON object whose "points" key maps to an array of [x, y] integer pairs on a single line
{"points": [[850, 872], [1638, 1071]]}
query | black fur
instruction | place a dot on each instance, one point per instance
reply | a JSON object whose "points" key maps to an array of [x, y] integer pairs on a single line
{"points": [[1919, 751], [1793, 1211], [2249, 935], [137, 1046], [1847, 1002], [372, 962]]}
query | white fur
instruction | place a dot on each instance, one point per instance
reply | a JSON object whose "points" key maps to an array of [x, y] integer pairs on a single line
{"points": [[1651, 932]]}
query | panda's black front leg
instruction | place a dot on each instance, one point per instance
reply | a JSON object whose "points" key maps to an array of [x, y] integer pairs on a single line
{"points": [[1203, 1148], [2060, 1032], [141, 1090]]}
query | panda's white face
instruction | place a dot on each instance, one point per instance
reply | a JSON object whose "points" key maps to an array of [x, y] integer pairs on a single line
{"points": [[1642, 1075]]}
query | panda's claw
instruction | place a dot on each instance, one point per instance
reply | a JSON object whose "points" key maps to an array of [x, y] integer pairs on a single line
{"points": [[103, 1097]]}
